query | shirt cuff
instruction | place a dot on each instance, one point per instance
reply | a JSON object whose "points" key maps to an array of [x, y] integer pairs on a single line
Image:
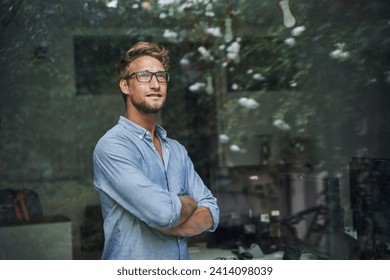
{"points": [[214, 210], [176, 210]]}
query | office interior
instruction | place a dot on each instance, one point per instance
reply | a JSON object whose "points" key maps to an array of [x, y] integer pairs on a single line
{"points": [[282, 105]]}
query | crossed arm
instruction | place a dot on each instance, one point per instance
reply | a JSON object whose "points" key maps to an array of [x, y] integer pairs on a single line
{"points": [[193, 219]]}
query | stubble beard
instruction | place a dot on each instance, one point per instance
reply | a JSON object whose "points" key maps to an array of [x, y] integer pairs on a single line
{"points": [[146, 108]]}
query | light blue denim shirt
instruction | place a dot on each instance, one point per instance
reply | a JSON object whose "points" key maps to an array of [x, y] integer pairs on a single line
{"points": [[140, 190]]}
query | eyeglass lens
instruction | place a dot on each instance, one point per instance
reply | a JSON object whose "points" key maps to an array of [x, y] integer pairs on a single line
{"points": [[146, 76]]}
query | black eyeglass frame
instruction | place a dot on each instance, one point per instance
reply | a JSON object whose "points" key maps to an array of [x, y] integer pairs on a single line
{"points": [[151, 76]]}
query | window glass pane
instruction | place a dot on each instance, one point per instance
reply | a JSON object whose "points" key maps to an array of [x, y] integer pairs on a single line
{"points": [[283, 107]]}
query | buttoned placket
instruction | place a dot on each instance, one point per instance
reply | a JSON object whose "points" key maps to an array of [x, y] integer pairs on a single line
{"points": [[163, 160]]}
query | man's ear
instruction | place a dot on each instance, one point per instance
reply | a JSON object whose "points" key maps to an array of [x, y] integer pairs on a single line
{"points": [[124, 86]]}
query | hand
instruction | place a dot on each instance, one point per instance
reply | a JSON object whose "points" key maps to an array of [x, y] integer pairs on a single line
{"points": [[188, 206]]}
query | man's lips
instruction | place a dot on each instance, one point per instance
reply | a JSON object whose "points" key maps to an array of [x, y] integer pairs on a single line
{"points": [[154, 95]]}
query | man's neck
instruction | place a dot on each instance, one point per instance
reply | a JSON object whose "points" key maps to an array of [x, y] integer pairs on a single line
{"points": [[147, 121]]}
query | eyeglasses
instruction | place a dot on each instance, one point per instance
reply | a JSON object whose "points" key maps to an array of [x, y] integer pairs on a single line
{"points": [[146, 76]]}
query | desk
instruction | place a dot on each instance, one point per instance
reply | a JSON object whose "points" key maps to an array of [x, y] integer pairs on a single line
{"points": [[199, 251], [50, 239]]}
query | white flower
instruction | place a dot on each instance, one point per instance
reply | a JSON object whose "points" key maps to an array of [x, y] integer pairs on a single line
{"points": [[209, 10], [163, 3], [234, 47], [282, 125], [223, 138], [234, 148], [249, 103], [339, 53], [335, 54], [112, 4], [340, 46], [215, 31], [184, 61], [197, 87], [170, 34], [205, 53], [232, 56], [235, 86], [184, 7], [297, 31], [258, 77], [233, 51], [290, 41], [163, 15], [249, 71]]}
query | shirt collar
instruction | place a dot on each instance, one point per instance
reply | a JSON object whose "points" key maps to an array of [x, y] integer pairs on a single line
{"points": [[139, 130]]}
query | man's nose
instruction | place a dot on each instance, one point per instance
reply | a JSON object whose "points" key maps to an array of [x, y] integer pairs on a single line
{"points": [[154, 83]]}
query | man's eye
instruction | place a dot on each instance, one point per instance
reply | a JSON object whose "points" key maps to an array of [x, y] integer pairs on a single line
{"points": [[161, 75], [143, 74]]}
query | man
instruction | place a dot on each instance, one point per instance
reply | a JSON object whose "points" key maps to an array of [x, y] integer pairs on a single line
{"points": [[152, 198]]}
